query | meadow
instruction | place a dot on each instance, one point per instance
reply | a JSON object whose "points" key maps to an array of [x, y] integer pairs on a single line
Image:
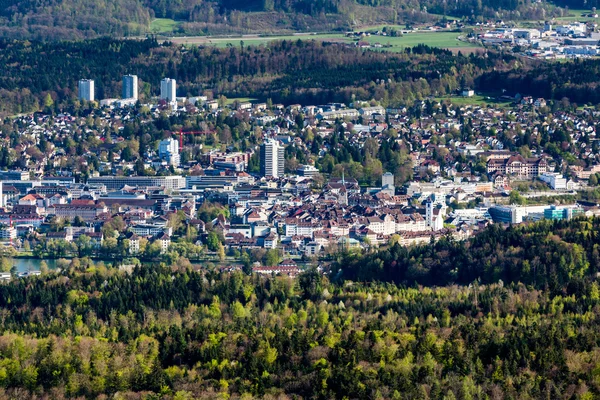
{"points": [[163, 25], [448, 40]]}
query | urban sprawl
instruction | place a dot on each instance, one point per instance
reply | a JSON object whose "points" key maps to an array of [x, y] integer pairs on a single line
{"points": [[285, 199]]}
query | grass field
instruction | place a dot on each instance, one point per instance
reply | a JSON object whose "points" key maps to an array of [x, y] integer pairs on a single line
{"points": [[249, 40], [163, 25], [446, 40], [435, 39], [575, 15], [477, 100], [240, 99]]}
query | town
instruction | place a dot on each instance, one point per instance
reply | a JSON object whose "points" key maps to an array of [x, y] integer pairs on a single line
{"points": [[271, 186]]}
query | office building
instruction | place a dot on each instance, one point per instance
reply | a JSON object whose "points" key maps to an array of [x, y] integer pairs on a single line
{"points": [[555, 180], [559, 213], [118, 182], [271, 159], [168, 150], [86, 89], [130, 87], [168, 90]]}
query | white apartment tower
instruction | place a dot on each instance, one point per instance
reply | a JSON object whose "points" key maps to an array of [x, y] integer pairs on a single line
{"points": [[130, 87], [86, 89], [168, 150], [168, 90], [435, 209], [271, 159]]}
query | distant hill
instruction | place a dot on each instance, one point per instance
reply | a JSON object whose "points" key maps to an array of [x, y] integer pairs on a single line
{"points": [[67, 19]]}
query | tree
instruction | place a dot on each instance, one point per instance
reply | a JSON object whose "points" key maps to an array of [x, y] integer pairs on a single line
{"points": [[221, 252], [5, 264], [213, 241], [48, 102], [44, 267], [516, 198], [84, 246], [272, 257]]}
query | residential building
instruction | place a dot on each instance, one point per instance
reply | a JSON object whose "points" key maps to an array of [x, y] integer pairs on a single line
{"points": [[168, 150], [86, 90], [271, 159], [134, 243], [518, 165], [307, 171], [434, 213], [88, 212], [168, 90], [8, 233], [130, 87], [165, 241]]}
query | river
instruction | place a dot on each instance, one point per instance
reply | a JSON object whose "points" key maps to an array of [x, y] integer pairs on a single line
{"points": [[33, 264]]}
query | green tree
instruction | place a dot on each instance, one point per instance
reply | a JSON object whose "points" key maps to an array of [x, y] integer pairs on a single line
{"points": [[213, 241]]}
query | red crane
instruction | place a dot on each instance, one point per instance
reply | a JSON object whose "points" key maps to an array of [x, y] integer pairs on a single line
{"points": [[181, 133]]}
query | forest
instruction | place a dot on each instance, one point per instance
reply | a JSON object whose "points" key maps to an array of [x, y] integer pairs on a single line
{"points": [[287, 71], [428, 322], [549, 255], [78, 19], [577, 81], [305, 72]]}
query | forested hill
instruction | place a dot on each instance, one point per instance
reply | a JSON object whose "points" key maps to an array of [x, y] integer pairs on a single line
{"points": [[287, 72], [168, 332], [547, 255], [63, 19]]}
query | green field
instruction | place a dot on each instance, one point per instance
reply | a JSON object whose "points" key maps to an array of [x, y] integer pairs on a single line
{"points": [[435, 39], [575, 15], [447, 40], [477, 100], [240, 99], [163, 25]]}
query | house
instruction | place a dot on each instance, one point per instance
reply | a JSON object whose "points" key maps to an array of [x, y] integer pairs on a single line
{"points": [[286, 267], [164, 240], [270, 242], [134, 243]]}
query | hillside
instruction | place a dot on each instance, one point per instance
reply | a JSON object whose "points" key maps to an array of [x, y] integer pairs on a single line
{"points": [[173, 333], [66, 19]]}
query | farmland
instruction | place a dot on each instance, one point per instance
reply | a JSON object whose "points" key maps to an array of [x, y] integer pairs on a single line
{"points": [[447, 40]]}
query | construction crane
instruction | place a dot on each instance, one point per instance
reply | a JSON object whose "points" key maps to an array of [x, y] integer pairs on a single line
{"points": [[181, 133]]}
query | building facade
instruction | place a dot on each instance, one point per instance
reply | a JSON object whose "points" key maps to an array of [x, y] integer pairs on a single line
{"points": [[168, 150], [168, 90], [130, 87], [86, 90], [272, 159], [118, 182], [518, 165]]}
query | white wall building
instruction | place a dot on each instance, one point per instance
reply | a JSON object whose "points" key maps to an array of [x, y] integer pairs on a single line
{"points": [[168, 150], [86, 89], [434, 213], [168, 90], [272, 159], [130, 87], [555, 180]]}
